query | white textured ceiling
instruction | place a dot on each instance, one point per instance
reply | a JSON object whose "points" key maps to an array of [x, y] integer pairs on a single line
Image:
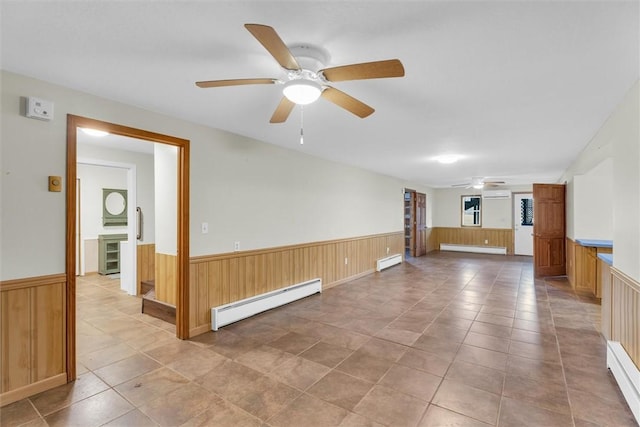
{"points": [[517, 88]]}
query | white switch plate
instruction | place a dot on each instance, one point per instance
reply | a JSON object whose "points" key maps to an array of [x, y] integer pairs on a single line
{"points": [[236, 246], [205, 227], [40, 109]]}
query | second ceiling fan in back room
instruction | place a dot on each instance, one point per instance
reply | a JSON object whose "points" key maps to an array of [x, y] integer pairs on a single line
{"points": [[305, 79], [479, 182]]}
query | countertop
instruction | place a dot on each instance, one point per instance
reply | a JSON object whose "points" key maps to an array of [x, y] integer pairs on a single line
{"points": [[608, 258], [595, 243]]}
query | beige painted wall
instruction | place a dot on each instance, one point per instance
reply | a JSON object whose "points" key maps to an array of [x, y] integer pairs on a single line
{"points": [[166, 198], [248, 191], [495, 213], [144, 181], [618, 139], [593, 203]]}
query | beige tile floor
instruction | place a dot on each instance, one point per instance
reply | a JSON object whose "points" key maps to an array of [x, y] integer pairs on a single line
{"points": [[446, 339]]}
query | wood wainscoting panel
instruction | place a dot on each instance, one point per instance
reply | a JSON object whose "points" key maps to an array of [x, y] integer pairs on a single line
{"points": [[605, 289], [432, 240], [48, 326], [166, 279], [571, 262], [16, 338], [625, 313], [221, 279], [473, 236], [146, 264], [32, 336]]}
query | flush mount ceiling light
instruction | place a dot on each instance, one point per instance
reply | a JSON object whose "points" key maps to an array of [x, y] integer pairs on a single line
{"points": [[447, 159], [302, 91], [94, 132]]}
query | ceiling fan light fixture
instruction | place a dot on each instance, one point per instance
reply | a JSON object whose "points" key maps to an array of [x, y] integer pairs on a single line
{"points": [[477, 183], [302, 91]]}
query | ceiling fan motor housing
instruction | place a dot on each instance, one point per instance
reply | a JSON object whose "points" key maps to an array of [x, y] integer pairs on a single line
{"points": [[309, 57]]}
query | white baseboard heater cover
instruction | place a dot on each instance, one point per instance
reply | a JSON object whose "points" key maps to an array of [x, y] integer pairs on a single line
{"points": [[238, 310], [496, 250], [626, 374], [387, 262]]}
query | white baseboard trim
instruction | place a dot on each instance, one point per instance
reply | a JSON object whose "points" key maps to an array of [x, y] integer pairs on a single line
{"points": [[496, 250], [626, 374]]}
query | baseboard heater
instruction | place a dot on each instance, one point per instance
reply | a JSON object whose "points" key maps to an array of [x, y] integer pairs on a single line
{"points": [[387, 262], [496, 250], [238, 310], [626, 374]]}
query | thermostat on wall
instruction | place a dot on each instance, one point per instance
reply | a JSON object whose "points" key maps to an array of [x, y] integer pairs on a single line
{"points": [[39, 109]]}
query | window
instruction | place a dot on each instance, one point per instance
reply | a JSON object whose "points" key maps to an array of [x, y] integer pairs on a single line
{"points": [[471, 215], [526, 212]]}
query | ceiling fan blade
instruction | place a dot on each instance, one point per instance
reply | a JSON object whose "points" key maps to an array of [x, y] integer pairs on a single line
{"points": [[467, 185], [282, 111], [347, 102], [235, 82], [271, 41], [367, 70], [494, 182]]}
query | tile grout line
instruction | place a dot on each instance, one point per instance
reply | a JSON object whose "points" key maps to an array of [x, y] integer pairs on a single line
{"points": [[564, 375]]}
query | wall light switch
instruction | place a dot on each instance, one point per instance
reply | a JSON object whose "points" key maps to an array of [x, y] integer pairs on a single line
{"points": [[236, 246], [55, 184], [205, 227]]}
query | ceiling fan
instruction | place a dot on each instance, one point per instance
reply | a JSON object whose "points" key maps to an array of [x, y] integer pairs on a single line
{"points": [[306, 80], [479, 182]]}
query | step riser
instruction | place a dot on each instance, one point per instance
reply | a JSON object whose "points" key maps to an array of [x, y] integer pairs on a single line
{"points": [[159, 310]]}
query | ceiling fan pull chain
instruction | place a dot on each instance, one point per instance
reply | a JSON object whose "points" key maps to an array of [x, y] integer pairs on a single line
{"points": [[301, 125]]}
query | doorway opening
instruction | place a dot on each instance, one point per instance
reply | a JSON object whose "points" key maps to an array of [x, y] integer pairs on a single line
{"points": [[181, 146], [96, 231]]}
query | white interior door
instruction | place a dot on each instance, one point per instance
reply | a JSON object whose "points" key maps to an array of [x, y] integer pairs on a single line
{"points": [[523, 224]]}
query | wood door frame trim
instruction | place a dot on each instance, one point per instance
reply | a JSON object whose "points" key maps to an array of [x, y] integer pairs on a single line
{"points": [[182, 273]]}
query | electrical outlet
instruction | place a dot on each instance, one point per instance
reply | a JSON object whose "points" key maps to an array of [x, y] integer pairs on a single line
{"points": [[205, 227], [346, 261], [236, 246], [387, 251], [486, 242]]}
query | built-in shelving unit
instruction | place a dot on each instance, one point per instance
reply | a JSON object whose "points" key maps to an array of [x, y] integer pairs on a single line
{"points": [[109, 253], [408, 222]]}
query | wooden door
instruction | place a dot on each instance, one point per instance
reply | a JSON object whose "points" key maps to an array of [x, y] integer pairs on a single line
{"points": [[421, 224], [549, 230]]}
